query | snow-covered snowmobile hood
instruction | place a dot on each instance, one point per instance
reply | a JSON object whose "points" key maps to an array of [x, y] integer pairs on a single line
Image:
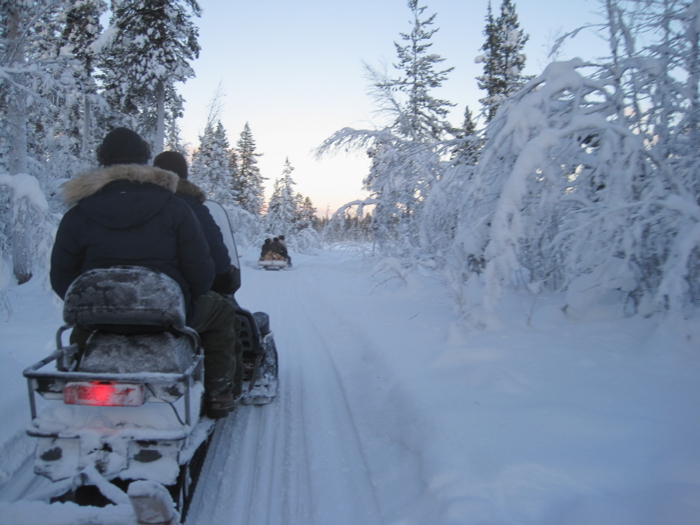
{"points": [[97, 192]]}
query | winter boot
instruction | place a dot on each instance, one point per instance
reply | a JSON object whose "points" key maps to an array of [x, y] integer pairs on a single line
{"points": [[220, 405]]}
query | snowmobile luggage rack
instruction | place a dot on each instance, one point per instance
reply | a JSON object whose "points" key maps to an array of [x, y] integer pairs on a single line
{"points": [[139, 315], [50, 384]]}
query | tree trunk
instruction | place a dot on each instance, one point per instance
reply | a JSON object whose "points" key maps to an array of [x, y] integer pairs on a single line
{"points": [[17, 123], [160, 124], [87, 120], [693, 67]]}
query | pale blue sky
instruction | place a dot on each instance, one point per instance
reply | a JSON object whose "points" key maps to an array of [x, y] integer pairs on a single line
{"points": [[294, 71]]}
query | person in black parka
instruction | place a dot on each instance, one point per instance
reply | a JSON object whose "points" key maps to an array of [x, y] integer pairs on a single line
{"points": [[266, 247], [195, 198], [126, 213]]}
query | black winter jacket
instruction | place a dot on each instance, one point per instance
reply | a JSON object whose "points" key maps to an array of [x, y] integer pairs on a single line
{"points": [[129, 215], [195, 198]]}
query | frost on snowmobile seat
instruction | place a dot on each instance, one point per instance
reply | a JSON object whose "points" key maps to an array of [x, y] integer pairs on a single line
{"points": [[124, 295], [124, 354]]}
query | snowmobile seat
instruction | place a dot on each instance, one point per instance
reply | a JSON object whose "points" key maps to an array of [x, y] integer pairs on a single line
{"points": [[135, 316], [122, 297], [125, 354]]}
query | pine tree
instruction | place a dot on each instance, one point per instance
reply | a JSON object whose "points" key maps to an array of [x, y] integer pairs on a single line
{"points": [[306, 214], [503, 58], [249, 182], [82, 28], [173, 141], [282, 209], [404, 163], [234, 170], [419, 116], [211, 169], [154, 43], [468, 151]]}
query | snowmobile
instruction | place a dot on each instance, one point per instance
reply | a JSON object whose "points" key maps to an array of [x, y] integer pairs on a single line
{"points": [[122, 421], [273, 261]]}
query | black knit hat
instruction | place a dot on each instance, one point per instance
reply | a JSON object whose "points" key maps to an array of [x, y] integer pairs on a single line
{"points": [[123, 146], [172, 161]]}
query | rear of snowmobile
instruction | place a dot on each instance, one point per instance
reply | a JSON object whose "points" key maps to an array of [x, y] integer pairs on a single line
{"points": [[273, 264], [273, 261], [123, 420]]}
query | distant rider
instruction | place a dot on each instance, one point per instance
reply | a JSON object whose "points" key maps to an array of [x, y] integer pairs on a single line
{"points": [[286, 252], [266, 247], [277, 247]]}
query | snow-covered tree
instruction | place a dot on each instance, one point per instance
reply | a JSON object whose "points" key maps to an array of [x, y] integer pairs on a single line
{"points": [[282, 208], [467, 149], [503, 58], [81, 30], [405, 161], [153, 43], [211, 164], [173, 141], [248, 184], [306, 215], [408, 99], [38, 93], [569, 194]]}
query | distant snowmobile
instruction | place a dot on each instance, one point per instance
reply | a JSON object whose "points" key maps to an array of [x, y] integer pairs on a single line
{"points": [[273, 261], [123, 421]]}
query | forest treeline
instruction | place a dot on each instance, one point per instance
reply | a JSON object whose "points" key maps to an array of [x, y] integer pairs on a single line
{"points": [[583, 178]]}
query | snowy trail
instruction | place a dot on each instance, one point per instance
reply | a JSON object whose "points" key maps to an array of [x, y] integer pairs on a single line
{"points": [[303, 458], [390, 413]]}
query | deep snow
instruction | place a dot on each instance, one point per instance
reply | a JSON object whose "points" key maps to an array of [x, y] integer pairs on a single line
{"points": [[390, 412]]}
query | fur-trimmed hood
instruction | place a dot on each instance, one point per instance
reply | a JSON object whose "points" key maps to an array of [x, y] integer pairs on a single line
{"points": [[187, 188], [121, 196], [90, 183]]}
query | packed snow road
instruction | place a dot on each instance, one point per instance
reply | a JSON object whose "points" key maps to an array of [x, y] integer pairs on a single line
{"points": [[319, 453], [338, 445], [391, 412]]}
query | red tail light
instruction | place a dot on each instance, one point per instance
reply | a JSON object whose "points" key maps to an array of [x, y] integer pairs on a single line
{"points": [[104, 394]]}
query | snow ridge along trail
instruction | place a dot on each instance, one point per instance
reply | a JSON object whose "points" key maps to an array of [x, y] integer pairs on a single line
{"points": [[328, 450]]}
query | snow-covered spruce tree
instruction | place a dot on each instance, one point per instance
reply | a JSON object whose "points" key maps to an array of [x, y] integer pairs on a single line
{"points": [[658, 86], [288, 214], [503, 58], [534, 212], [405, 162], [306, 214], [249, 182], [423, 118], [211, 165], [282, 208], [467, 149], [37, 91], [306, 238], [153, 43], [441, 210], [81, 30], [173, 141], [590, 183]]}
